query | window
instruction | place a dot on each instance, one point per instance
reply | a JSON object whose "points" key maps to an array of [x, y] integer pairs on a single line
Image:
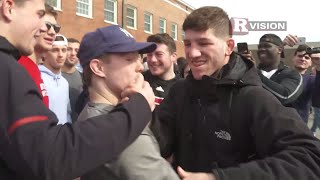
{"points": [[131, 17], [162, 25], [110, 11], [56, 4], [147, 22], [174, 31], [84, 8]]}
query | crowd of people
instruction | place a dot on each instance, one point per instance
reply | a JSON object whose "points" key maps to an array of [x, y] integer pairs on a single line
{"points": [[138, 110]]}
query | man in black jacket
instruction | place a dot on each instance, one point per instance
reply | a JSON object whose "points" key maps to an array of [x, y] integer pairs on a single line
{"points": [[282, 81], [220, 123], [32, 145]]}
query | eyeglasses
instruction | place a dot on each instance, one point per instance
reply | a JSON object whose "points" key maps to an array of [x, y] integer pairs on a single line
{"points": [[56, 27]]}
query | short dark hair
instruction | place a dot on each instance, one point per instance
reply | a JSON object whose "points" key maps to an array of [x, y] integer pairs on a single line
{"points": [[209, 17], [50, 10], [301, 48], [73, 40], [163, 38]]}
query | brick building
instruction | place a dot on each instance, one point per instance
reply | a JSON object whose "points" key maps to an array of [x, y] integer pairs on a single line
{"points": [[140, 17]]}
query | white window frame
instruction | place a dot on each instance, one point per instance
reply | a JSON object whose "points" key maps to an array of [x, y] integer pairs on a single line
{"points": [[164, 24], [134, 18], [115, 12], [175, 31], [58, 7], [150, 23], [89, 10]]}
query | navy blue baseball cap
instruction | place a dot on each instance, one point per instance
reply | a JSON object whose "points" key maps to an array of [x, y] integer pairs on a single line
{"points": [[110, 39]]}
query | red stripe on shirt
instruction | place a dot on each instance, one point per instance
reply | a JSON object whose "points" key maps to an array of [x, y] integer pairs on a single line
{"points": [[25, 121]]}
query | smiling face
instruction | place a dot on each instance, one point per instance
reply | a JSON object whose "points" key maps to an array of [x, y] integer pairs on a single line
{"points": [[72, 59], [26, 20], [206, 53], [47, 36], [160, 61], [301, 61], [268, 53]]}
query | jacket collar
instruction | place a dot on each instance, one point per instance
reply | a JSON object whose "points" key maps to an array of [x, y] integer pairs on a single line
{"points": [[8, 48]]}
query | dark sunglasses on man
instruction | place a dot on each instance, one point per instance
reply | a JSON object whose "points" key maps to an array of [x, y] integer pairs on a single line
{"points": [[56, 27]]}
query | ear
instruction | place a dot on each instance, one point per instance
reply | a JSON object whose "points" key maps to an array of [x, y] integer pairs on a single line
{"points": [[97, 68], [7, 9], [280, 49], [174, 57], [229, 47]]}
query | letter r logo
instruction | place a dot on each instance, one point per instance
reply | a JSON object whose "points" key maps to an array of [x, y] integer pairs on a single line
{"points": [[240, 26]]}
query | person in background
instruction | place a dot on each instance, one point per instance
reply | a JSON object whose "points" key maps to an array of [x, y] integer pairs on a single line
{"points": [[72, 75], [57, 85]]}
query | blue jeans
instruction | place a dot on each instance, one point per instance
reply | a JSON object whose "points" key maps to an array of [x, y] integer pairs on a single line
{"points": [[316, 121]]}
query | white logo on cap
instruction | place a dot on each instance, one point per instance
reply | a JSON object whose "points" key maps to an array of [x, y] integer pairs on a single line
{"points": [[126, 32]]}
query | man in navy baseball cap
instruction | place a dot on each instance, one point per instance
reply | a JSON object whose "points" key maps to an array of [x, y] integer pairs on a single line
{"points": [[111, 62], [110, 39]]}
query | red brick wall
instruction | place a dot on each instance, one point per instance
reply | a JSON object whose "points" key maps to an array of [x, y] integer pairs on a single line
{"points": [[76, 26]]}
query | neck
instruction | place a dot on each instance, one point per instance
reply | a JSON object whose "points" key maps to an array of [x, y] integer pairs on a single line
{"points": [[36, 56], [168, 75], [271, 67], [54, 70], [68, 69], [301, 71], [101, 94]]}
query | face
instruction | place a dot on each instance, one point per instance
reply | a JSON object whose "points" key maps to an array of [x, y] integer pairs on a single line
{"points": [[268, 53], [121, 70], [315, 59], [26, 21], [47, 36], [55, 58], [72, 58], [160, 61], [301, 60], [205, 52]]}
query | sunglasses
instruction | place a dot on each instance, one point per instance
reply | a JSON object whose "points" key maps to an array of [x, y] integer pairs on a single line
{"points": [[56, 27]]}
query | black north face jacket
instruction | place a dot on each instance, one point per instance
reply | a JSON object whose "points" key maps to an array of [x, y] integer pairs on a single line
{"points": [[233, 127]]}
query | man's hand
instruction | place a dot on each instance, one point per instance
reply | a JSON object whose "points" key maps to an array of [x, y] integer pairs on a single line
{"points": [[290, 40], [184, 175], [249, 56], [142, 87]]}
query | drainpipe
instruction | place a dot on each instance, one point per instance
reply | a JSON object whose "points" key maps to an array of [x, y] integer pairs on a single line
{"points": [[123, 24]]}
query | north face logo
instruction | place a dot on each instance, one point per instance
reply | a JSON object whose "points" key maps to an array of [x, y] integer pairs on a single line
{"points": [[223, 135]]}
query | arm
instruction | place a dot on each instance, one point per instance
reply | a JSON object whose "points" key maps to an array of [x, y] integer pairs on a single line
{"points": [[285, 147], [288, 90], [163, 126], [142, 160], [34, 146]]}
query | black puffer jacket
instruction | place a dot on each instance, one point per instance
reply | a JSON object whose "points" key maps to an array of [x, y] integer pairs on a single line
{"points": [[236, 129], [286, 84]]}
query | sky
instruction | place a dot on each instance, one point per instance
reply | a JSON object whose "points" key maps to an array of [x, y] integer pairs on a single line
{"points": [[302, 17]]}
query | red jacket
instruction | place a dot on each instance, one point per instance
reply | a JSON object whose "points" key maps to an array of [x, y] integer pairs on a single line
{"points": [[35, 74]]}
